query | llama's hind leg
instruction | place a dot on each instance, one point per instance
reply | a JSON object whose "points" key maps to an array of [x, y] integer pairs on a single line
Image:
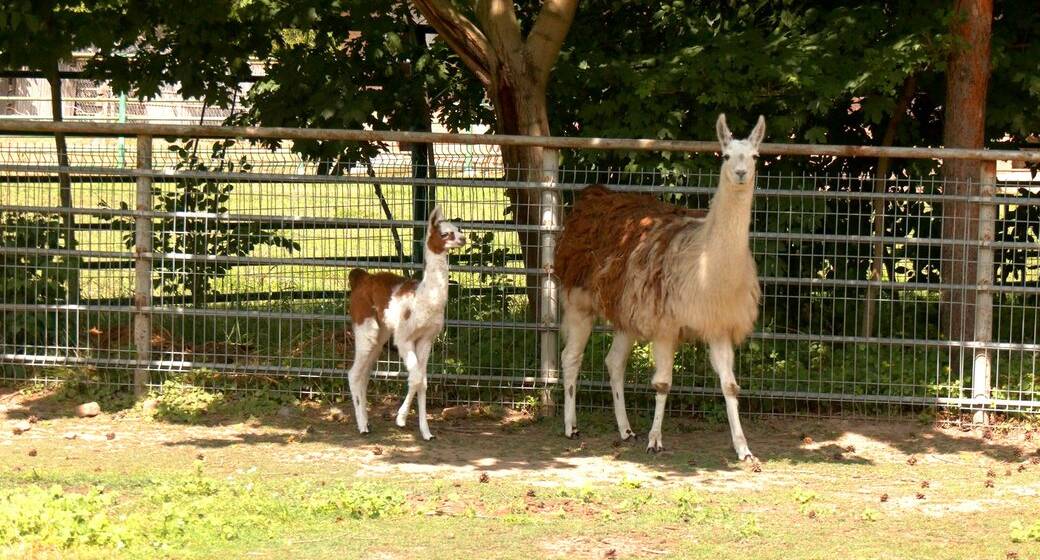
{"points": [[617, 359], [664, 356], [577, 326], [722, 361], [367, 346]]}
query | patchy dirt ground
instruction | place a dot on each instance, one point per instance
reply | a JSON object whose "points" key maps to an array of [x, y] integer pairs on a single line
{"points": [[313, 439], [865, 477]]}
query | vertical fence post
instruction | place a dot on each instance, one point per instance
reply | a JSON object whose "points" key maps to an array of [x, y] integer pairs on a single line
{"points": [[122, 140], [550, 220], [421, 198], [143, 267], [981, 377]]}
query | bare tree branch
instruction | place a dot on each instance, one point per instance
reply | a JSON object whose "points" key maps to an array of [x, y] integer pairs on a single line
{"points": [[546, 37], [499, 21], [462, 36]]}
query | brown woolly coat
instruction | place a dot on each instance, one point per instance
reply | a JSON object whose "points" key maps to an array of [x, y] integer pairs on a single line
{"points": [[370, 293], [639, 263]]}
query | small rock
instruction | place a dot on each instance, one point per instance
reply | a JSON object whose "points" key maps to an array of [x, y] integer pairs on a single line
{"points": [[807, 440], [911, 461], [920, 496], [1021, 468], [336, 415], [88, 410], [21, 427], [484, 478], [377, 450], [455, 412], [884, 497], [850, 448], [530, 493], [110, 436], [200, 457], [33, 418], [70, 435], [989, 483], [925, 484], [32, 452]]}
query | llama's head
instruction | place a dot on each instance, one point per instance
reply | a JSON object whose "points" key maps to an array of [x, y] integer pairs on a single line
{"points": [[442, 235], [739, 156]]}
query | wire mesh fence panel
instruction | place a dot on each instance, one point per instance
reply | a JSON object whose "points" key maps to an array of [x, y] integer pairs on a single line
{"points": [[251, 247]]}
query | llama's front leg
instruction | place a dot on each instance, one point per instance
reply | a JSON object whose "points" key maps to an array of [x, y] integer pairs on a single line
{"points": [[366, 350], [411, 363], [577, 327], [617, 359], [664, 355], [423, 351], [722, 361]]}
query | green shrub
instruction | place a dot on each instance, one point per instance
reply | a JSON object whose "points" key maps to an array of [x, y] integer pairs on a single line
{"points": [[54, 517], [361, 501]]}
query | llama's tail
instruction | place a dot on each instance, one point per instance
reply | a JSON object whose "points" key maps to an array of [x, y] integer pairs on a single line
{"points": [[355, 277]]}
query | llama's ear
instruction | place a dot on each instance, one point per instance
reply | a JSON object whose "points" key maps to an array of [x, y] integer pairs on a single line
{"points": [[758, 133], [435, 215], [725, 136]]}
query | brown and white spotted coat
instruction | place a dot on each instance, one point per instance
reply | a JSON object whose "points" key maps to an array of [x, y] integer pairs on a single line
{"points": [[385, 305], [662, 274]]}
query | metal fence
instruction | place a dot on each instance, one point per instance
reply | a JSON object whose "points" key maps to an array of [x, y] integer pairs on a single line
{"points": [[226, 265]]}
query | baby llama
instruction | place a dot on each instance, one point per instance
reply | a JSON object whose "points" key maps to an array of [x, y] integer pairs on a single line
{"points": [[662, 274], [384, 305]]}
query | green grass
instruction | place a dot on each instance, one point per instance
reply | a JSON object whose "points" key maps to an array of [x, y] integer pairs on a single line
{"points": [[301, 486]]}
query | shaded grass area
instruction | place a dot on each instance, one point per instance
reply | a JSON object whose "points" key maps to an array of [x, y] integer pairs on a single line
{"points": [[260, 483]]}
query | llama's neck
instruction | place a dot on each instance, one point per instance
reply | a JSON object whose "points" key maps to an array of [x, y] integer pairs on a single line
{"points": [[434, 285], [726, 228]]}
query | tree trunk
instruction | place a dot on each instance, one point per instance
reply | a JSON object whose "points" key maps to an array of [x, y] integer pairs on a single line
{"points": [[519, 110], [64, 189], [967, 78], [877, 262]]}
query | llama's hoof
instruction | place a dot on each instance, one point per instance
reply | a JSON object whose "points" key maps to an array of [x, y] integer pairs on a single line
{"points": [[428, 437], [654, 449], [748, 458], [575, 434], [363, 431], [654, 445], [630, 436], [401, 421]]}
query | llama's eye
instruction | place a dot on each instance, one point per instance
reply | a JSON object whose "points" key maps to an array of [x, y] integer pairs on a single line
{"points": [[725, 157], [754, 157], [445, 235]]}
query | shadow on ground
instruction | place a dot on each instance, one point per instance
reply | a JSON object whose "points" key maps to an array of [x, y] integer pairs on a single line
{"points": [[312, 438]]}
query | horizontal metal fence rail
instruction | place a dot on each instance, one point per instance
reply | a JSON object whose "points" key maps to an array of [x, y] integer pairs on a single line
{"points": [[680, 146], [269, 317]]}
